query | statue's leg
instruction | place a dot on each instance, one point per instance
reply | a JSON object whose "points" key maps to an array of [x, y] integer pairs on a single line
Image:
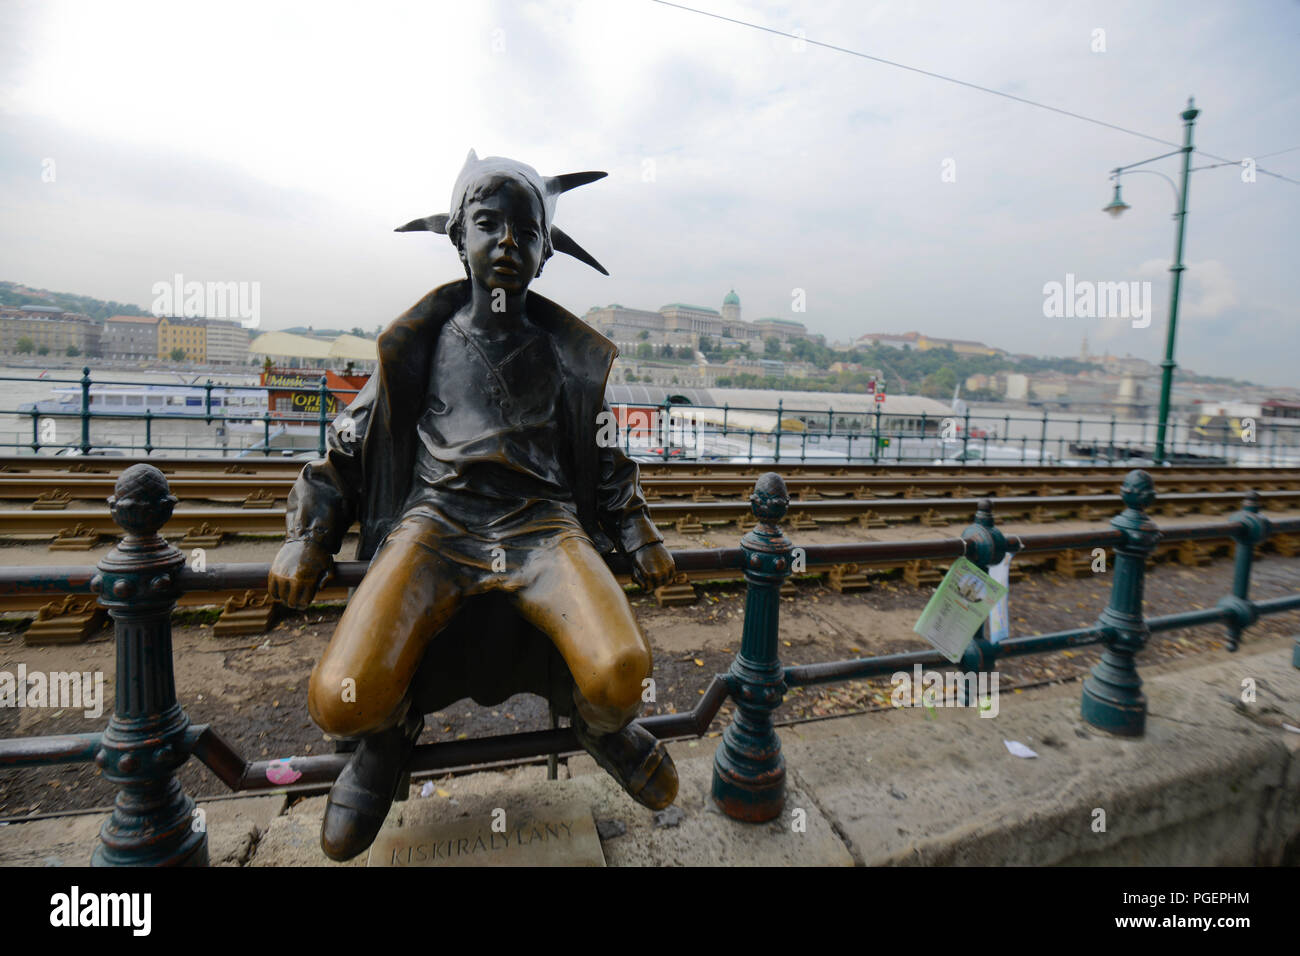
{"points": [[361, 687], [569, 594], [361, 684]]}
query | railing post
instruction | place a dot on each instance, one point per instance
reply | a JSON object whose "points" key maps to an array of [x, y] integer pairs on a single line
{"points": [[875, 441], [748, 769], [1042, 442], [985, 547], [1254, 529], [965, 440], [780, 402], [207, 402], [148, 432], [85, 410], [1112, 696], [322, 392], [146, 740]]}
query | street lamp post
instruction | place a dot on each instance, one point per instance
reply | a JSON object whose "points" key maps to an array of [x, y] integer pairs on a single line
{"points": [[1117, 206]]}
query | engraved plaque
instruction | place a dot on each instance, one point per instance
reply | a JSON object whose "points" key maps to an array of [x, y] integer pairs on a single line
{"points": [[563, 835]]}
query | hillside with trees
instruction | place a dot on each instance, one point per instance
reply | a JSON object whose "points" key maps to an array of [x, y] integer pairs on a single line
{"points": [[17, 294], [934, 373]]}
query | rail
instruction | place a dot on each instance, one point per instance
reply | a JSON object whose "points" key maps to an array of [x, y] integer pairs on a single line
{"points": [[149, 736]]}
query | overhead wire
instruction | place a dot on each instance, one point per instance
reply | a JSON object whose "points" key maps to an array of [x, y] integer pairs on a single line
{"points": [[1223, 161]]}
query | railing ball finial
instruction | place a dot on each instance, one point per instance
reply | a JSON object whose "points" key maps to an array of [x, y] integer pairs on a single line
{"points": [[770, 499], [1138, 490], [142, 502]]}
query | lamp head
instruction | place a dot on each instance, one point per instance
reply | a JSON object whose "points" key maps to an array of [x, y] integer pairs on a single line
{"points": [[1116, 205]]}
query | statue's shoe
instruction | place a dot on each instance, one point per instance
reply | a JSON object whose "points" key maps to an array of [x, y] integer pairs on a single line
{"points": [[636, 759], [360, 799]]}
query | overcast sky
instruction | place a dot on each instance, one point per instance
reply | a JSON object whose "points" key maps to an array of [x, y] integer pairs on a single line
{"points": [[281, 144]]}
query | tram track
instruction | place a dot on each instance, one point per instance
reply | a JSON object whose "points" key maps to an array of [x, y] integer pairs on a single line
{"points": [[205, 527], [54, 489]]}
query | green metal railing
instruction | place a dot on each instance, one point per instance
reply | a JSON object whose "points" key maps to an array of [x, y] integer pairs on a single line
{"points": [[962, 438], [877, 435], [208, 413], [149, 735]]}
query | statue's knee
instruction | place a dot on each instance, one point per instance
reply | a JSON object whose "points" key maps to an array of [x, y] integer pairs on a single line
{"points": [[620, 680], [334, 704]]}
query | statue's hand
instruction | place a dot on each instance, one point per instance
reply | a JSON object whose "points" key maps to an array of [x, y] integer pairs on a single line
{"points": [[297, 573], [652, 566]]}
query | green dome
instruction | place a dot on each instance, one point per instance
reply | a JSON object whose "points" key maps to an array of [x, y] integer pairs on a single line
{"points": [[731, 298]]}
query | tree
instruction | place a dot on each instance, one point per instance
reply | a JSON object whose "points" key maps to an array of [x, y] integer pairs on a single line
{"points": [[72, 351], [25, 346], [772, 346], [178, 355], [645, 350], [645, 334], [706, 344], [939, 383], [43, 350]]}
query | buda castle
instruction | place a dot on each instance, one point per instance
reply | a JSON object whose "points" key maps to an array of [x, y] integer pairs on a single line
{"points": [[679, 324]]}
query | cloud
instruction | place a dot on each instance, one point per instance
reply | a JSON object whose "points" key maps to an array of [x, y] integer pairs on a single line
{"points": [[282, 143]]}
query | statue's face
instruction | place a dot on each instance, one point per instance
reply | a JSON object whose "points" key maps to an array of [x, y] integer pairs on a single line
{"points": [[503, 238]]}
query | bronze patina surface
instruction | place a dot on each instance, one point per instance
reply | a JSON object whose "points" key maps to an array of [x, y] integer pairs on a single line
{"points": [[471, 461]]}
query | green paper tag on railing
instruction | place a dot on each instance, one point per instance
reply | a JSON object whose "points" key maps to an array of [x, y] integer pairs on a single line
{"points": [[959, 606]]}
